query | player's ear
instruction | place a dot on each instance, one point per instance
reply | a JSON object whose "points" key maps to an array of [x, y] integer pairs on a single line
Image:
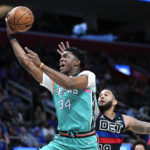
{"points": [[77, 62], [115, 102]]}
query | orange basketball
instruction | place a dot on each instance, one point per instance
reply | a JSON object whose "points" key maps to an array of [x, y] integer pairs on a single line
{"points": [[21, 19]]}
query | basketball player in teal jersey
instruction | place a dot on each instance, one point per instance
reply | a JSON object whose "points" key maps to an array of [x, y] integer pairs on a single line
{"points": [[73, 93]]}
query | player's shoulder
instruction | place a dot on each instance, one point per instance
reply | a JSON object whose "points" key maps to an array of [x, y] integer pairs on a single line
{"points": [[127, 116], [128, 120], [87, 72]]}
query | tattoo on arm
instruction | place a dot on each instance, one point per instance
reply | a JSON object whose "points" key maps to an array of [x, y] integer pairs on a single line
{"points": [[140, 127]]}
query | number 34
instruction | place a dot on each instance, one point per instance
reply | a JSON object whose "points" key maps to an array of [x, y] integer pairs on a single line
{"points": [[63, 104]]}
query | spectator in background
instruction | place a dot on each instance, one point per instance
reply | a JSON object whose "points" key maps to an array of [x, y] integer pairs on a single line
{"points": [[47, 102], [52, 121], [48, 131], [14, 98], [4, 138], [27, 138], [17, 117], [3, 74], [7, 111], [139, 145], [2, 96], [39, 136], [40, 115], [144, 112], [12, 130]]}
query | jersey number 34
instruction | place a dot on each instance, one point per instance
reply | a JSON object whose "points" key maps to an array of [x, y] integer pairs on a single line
{"points": [[64, 104]]}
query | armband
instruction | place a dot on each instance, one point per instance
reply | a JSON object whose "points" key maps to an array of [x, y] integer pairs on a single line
{"points": [[41, 65], [11, 36]]}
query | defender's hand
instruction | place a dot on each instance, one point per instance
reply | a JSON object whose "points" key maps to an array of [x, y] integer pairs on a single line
{"points": [[62, 47]]}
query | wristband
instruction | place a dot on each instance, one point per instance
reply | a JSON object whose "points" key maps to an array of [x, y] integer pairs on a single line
{"points": [[11, 36], [41, 65]]}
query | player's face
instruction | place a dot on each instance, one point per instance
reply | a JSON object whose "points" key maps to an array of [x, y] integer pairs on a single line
{"points": [[139, 147], [67, 62], [105, 100]]}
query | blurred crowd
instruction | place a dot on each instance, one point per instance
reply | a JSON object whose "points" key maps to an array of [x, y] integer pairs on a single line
{"points": [[24, 123], [64, 24]]}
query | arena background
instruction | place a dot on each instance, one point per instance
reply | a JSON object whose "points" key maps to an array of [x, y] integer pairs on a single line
{"points": [[116, 35]]}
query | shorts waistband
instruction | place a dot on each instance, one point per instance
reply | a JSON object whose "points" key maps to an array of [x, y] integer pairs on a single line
{"points": [[76, 135]]}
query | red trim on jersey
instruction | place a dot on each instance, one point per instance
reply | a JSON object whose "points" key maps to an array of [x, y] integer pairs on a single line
{"points": [[84, 135], [148, 143], [64, 134], [110, 140], [80, 135]]}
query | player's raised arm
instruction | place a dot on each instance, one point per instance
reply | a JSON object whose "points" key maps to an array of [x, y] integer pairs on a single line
{"points": [[59, 77], [69, 65], [136, 126], [21, 55]]}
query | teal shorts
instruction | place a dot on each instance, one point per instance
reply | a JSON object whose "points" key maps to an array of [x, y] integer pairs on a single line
{"points": [[65, 143]]}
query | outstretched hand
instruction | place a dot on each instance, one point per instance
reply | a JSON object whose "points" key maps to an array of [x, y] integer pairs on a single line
{"points": [[32, 56], [62, 47]]}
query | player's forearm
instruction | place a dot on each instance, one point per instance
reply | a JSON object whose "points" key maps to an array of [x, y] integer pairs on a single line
{"points": [[26, 64], [18, 50], [141, 127], [60, 78]]}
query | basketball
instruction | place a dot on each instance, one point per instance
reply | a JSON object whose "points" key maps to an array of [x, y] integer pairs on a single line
{"points": [[21, 19]]}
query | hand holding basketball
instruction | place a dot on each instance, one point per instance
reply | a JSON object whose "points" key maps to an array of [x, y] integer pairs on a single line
{"points": [[20, 19], [9, 29]]}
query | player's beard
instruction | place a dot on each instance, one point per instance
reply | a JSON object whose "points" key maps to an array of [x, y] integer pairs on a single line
{"points": [[105, 107]]}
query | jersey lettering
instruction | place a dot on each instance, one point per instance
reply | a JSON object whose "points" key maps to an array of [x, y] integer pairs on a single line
{"points": [[110, 126], [61, 91]]}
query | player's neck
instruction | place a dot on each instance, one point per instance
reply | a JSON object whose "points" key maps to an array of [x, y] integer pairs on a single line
{"points": [[74, 72], [110, 113]]}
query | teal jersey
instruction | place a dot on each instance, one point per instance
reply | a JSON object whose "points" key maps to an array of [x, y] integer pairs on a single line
{"points": [[76, 108]]}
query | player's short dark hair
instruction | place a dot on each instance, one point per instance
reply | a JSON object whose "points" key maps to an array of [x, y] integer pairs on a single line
{"points": [[113, 92], [80, 54], [139, 142]]}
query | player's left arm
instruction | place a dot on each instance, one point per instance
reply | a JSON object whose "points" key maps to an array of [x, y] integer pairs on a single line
{"points": [[61, 79], [136, 126], [64, 80], [85, 80]]}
